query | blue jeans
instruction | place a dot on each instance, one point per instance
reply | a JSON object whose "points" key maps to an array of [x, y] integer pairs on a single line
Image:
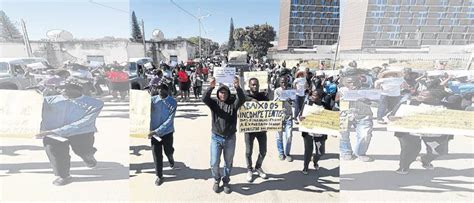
{"points": [[218, 145], [283, 138], [386, 104], [363, 135]]}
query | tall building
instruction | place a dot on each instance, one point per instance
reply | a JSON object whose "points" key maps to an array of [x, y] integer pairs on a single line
{"points": [[367, 24], [305, 23]]}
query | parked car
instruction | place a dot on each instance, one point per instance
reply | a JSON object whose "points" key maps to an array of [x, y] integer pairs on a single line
{"points": [[13, 75]]}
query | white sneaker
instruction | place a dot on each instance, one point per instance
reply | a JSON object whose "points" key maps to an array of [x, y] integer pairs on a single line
{"points": [[249, 176], [261, 173]]}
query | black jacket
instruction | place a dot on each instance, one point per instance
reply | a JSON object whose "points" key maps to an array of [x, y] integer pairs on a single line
{"points": [[224, 114]]}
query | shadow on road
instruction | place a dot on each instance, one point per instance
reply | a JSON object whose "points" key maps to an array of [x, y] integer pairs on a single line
{"points": [[136, 149], [102, 172], [180, 172], [434, 181], [452, 156], [294, 180], [11, 150]]}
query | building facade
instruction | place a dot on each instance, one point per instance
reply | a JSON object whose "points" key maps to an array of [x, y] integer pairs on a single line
{"points": [[306, 23], [370, 24]]}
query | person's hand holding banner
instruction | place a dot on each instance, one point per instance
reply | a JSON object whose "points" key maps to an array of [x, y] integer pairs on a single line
{"points": [[150, 135], [213, 82], [236, 82]]}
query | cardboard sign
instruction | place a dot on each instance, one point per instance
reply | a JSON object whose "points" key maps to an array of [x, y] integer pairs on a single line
{"points": [[320, 121], [20, 113], [140, 113], [224, 75], [426, 119], [354, 95], [262, 77], [261, 116], [288, 94]]}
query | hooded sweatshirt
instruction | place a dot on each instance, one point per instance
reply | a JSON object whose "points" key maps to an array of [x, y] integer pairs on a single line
{"points": [[224, 114]]}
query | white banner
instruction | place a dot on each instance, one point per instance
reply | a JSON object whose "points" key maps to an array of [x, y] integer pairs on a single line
{"points": [[140, 111], [20, 113]]}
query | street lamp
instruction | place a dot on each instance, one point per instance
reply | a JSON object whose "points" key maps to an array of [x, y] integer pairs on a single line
{"points": [[199, 18]]}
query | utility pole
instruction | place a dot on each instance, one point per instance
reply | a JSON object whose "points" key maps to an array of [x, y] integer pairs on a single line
{"points": [[199, 18], [335, 55], [26, 39], [143, 37]]}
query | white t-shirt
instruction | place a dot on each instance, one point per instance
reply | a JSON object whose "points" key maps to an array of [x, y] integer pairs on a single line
{"points": [[300, 86], [391, 86]]}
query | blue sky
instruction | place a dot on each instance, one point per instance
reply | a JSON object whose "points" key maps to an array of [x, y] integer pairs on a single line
{"points": [[163, 15], [82, 18], [88, 20]]}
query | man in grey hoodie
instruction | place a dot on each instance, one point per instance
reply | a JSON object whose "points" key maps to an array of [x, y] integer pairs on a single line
{"points": [[224, 126]]}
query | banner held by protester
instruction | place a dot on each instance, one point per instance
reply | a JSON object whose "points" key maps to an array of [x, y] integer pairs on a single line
{"points": [[320, 121], [260, 116], [20, 114], [140, 108], [426, 119]]}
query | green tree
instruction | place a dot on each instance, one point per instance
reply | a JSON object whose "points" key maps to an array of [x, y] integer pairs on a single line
{"points": [[231, 43], [136, 31], [207, 45], [255, 39], [8, 31]]}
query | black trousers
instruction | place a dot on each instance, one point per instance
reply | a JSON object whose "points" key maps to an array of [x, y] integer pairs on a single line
{"points": [[319, 143], [157, 148], [58, 152], [262, 146], [410, 146]]}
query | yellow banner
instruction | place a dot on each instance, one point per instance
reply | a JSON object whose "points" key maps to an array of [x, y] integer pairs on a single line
{"points": [[260, 116], [427, 119], [140, 109], [20, 113], [319, 120]]}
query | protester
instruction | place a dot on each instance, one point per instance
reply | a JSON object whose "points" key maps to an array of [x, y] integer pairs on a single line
{"points": [[224, 125], [184, 82], [119, 82], [319, 140], [390, 84], [255, 95], [299, 85], [163, 110], [284, 137], [197, 80], [360, 116], [69, 120]]}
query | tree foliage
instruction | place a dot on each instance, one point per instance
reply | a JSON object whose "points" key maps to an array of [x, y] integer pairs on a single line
{"points": [[136, 31], [8, 31], [254, 39]]}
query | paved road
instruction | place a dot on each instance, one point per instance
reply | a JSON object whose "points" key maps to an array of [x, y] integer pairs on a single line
{"points": [[26, 175], [452, 179], [192, 179]]}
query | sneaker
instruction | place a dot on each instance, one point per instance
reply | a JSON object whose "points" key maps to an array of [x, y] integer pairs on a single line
{"points": [[347, 157], [381, 121], [91, 162], [249, 176], [261, 173], [62, 181], [305, 171], [402, 171], [289, 158], [159, 181], [215, 187], [227, 188], [428, 166], [282, 157], [172, 165], [365, 158]]}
